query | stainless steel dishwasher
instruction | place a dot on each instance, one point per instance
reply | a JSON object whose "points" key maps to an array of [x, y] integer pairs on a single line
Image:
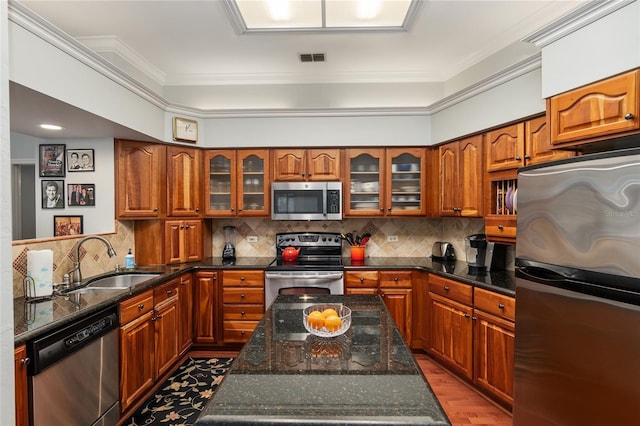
{"points": [[74, 373]]}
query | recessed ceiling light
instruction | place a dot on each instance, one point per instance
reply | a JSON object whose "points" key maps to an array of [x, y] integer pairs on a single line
{"points": [[50, 126]]}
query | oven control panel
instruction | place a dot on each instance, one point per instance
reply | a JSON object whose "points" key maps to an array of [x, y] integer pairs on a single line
{"points": [[309, 239]]}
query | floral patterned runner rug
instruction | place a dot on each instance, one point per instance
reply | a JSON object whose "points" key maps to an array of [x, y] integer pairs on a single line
{"points": [[180, 399]]}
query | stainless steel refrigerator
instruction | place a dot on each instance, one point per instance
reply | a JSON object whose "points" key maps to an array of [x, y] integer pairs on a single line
{"points": [[577, 344]]}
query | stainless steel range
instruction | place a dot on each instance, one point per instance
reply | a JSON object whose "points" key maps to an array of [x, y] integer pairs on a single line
{"points": [[317, 267]]}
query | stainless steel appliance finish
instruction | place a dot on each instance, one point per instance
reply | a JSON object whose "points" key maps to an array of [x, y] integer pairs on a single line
{"points": [[306, 201], [577, 344], [317, 268], [442, 250], [74, 373]]}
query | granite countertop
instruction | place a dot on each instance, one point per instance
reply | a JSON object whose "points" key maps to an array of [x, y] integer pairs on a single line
{"points": [[34, 318], [284, 375]]}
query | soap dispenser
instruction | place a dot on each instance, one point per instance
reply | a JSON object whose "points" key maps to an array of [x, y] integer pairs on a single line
{"points": [[129, 260]]}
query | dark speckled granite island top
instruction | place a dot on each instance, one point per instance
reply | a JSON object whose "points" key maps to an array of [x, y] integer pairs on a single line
{"points": [[283, 375]]}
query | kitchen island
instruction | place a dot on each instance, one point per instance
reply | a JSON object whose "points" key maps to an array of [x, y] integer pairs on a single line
{"points": [[284, 375]]}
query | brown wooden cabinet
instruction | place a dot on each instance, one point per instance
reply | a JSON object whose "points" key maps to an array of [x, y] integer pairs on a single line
{"points": [[364, 182], [461, 177], [242, 303], [206, 306], [504, 148], [238, 183], [420, 339], [185, 292], [172, 241], [322, 164], [140, 179], [395, 287], [184, 186], [596, 111], [450, 324], [537, 140], [494, 337], [166, 326], [20, 362]]}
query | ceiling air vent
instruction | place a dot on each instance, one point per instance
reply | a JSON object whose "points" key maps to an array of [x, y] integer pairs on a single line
{"points": [[312, 57]]}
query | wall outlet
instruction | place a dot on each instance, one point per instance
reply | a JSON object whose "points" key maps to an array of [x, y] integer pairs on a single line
{"points": [[252, 239], [392, 238]]}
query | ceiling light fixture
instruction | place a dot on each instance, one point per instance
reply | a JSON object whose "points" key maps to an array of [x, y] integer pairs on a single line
{"points": [[321, 15], [50, 126]]}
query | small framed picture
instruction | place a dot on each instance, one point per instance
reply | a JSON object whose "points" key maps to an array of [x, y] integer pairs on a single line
{"points": [[185, 130], [51, 159], [67, 225], [80, 160], [52, 194], [81, 194]]}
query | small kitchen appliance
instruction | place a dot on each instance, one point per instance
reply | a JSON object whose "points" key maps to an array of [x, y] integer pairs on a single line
{"points": [[443, 251], [229, 250], [483, 256]]}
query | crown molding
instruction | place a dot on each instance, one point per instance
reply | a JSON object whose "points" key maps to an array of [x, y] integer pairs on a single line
{"points": [[579, 18]]}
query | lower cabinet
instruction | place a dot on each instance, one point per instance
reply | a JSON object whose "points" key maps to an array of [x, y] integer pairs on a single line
{"points": [[242, 303], [149, 339], [20, 362], [205, 306], [395, 287], [185, 301]]}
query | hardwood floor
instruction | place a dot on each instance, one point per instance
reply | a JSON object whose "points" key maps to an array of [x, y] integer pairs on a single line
{"points": [[464, 406]]}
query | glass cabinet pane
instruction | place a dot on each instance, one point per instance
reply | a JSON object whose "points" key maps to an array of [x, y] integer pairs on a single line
{"points": [[253, 183], [406, 176], [220, 183], [365, 182]]}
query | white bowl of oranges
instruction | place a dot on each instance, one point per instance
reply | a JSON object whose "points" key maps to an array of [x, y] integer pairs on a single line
{"points": [[326, 320]]}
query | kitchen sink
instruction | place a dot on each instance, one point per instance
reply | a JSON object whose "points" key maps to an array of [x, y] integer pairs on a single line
{"points": [[96, 290], [120, 280]]}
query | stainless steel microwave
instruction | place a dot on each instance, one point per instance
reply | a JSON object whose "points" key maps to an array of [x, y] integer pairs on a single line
{"points": [[306, 200]]}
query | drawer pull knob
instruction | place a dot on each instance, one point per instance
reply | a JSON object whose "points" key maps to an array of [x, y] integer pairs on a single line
{"points": [[169, 292], [242, 296], [518, 158], [628, 116], [361, 279], [242, 278], [446, 288], [500, 227], [467, 315], [242, 333], [241, 313], [500, 306], [141, 306], [25, 361]]}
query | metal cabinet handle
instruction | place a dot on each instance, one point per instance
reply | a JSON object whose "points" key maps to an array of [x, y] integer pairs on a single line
{"points": [[395, 279], [169, 292], [141, 306], [242, 278], [155, 209], [527, 157], [242, 313], [242, 296], [500, 306], [25, 361], [197, 209], [242, 333], [361, 279], [628, 116], [518, 158], [500, 227], [467, 316], [446, 288]]}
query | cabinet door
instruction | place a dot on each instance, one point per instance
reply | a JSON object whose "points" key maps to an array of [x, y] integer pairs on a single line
{"points": [[364, 184], [140, 177], [398, 302], [173, 241], [505, 148], [538, 147], [323, 165], [253, 197], [192, 232], [420, 311], [185, 297], [183, 181], [167, 331], [206, 304], [405, 181], [607, 107], [288, 164], [494, 355], [449, 179], [451, 334], [471, 177], [20, 362], [220, 183], [137, 359]]}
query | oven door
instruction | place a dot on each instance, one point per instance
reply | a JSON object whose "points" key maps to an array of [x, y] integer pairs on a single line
{"points": [[302, 282]]}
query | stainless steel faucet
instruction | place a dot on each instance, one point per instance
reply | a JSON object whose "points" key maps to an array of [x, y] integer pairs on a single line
{"points": [[76, 275]]}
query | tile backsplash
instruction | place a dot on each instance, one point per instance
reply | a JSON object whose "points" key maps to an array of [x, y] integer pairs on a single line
{"points": [[415, 238]]}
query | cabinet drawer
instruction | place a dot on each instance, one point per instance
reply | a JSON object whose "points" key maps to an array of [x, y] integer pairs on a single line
{"points": [[494, 303], [399, 279], [165, 291], [454, 290], [500, 227], [238, 331], [135, 307], [243, 312], [367, 279], [243, 278], [243, 295]]}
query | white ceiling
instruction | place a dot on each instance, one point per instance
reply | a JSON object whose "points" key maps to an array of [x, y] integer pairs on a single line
{"points": [[195, 43]]}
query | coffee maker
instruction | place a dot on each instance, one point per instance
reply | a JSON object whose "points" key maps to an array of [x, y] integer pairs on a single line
{"points": [[229, 250], [483, 256]]}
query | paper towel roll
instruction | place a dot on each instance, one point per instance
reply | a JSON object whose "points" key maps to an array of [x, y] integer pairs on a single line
{"points": [[40, 270]]}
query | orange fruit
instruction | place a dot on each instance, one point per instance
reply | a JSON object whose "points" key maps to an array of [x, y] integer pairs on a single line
{"points": [[315, 320], [328, 312], [332, 323]]}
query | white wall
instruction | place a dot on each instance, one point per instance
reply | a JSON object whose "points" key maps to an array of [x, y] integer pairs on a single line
{"points": [[97, 219], [604, 48]]}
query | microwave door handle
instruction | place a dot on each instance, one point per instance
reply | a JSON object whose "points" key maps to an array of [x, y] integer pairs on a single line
{"points": [[324, 201]]}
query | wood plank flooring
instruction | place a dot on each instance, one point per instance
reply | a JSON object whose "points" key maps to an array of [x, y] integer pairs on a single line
{"points": [[464, 405]]}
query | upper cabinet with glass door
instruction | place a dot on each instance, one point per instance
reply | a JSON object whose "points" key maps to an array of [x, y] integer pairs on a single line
{"points": [[385, 182], [220, 182], [253, 183]]}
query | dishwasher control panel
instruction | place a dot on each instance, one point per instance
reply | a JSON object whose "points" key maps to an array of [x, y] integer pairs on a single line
{"points": [[96, 328]]}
